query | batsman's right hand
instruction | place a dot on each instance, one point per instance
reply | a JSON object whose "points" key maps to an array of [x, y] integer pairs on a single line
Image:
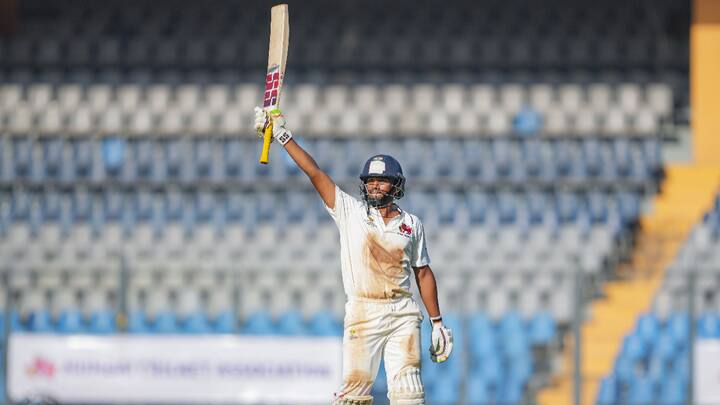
{"points": [[441, 343], [263, 118]]}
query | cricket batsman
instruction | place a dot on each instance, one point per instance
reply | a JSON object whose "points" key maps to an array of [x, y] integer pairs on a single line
{"points": [[381, 247]]}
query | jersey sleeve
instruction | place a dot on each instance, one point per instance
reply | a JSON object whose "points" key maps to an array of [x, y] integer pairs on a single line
{"points": [[344, 204], [420, 256]]}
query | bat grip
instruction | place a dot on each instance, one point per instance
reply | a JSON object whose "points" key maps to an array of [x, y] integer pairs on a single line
{"points": [[265, 154]]}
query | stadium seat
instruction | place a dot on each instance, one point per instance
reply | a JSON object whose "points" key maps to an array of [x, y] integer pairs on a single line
{"points": [[324, 324], [103, 322], [678, 326], [477, 390], [609, 391], [642, 391], [137, 322], [70, 321], [195, 322], [542, 329], [511, 392], [224, 322], [291, 324], [445, 390], [258, 323], [164, 322], [708, 326], [39, 321], [648, 327], [673, 391]]}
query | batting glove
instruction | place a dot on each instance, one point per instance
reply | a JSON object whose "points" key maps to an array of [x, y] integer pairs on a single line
{"points": [[442, 343], [263, 118]]}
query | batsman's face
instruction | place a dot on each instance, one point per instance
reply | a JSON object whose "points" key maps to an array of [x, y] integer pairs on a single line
{"points": [[377, 187]]}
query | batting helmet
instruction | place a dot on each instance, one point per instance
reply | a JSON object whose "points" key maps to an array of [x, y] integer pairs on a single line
{"points": [[387, 167]]}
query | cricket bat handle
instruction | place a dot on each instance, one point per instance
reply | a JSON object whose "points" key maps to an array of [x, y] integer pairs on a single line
{"points": [[265, 154]]}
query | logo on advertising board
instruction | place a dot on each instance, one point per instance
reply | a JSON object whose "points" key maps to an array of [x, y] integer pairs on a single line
{"points": [[41, 367]]}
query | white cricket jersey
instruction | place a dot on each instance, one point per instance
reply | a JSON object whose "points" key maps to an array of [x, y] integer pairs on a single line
{"points": [[377, 258]]}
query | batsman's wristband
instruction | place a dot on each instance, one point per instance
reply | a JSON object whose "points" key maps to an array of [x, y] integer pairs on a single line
{"points": [[284, 137], [436, 318]]}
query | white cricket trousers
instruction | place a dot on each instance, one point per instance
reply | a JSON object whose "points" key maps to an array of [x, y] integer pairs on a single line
{"points": [[374, 329]]}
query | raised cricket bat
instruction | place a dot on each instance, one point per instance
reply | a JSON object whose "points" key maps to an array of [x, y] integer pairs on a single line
{"points": [[277, 56]]}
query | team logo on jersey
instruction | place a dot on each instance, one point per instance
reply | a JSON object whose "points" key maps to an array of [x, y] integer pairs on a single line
{"points": [[405, 230]]}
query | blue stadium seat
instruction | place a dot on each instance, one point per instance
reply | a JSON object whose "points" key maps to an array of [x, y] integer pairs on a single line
{"points": [[608, 394], [478, 203], [597, 206], [17, 324], [22, 157], [624, 369], [137, 322], [81, 205], [173, 156], [642, 391], [490, 368], [567, 206], [531, 158], [20, 205], [673, 391], [477, 390], [629, 205], [708, 325], [266, 208], [520, 368], [447, 206], [224, 322], [52, 153], [511, 392], [113, 155], [144, 156], [634, 348], [4, 176], [622, 159], [483, 343], [291, 324], [164, 322], [648, 327], [39, 321], [203, 157], [143, 205], [82, 158], [324, 323], [204, 206], [665, 348], [536, 203], [507, 205], [196, 323], [259, 323], [234, 207], [233, 157], [592, 159], [511, 324], [516, 345], [444, 390], [70, 321], [562, 158], [542, 328], [102, 322], [114, 204], [51, 206], [678, 326], [501, 151]]}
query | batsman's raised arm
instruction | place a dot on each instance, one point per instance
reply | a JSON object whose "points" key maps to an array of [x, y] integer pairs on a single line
{"points": [[320, 180]]}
